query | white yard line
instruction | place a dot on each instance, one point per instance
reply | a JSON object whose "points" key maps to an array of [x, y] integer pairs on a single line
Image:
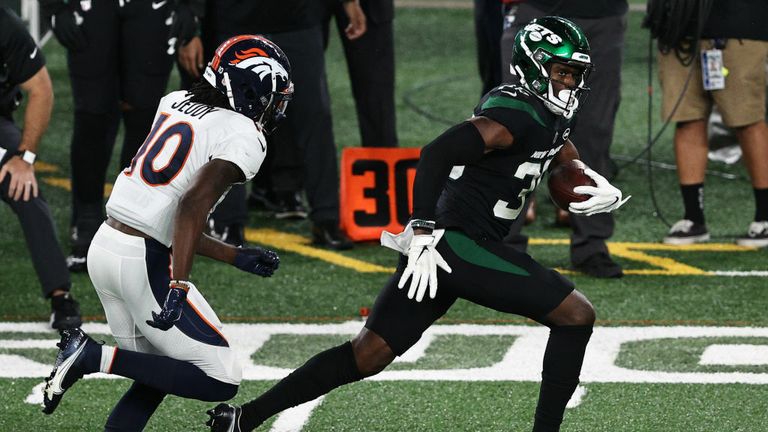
{"points": [[35, 396], [521, 362], [417, 351], [749, 273], [294, 419], [735, 354], [577, 397]]}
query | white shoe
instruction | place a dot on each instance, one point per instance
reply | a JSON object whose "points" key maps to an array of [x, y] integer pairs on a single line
{"points": [[686, 232], [757, 235]]}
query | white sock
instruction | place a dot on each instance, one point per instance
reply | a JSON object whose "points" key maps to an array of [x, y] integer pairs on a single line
{"points": [[107, 357]]}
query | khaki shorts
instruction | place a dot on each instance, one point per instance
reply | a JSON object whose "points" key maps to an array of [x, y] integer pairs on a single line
{"points": [[741, 102]]}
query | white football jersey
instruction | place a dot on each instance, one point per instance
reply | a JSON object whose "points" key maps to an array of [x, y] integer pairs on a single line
{"points": [[184, 137]]}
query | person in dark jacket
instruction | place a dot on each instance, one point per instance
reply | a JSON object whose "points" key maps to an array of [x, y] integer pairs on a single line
{"points": [[119, 55], [302, 151], [22, 68]]}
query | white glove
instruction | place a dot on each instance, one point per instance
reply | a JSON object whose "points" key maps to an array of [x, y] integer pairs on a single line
{"points": [[605, 196], [423, 261]]}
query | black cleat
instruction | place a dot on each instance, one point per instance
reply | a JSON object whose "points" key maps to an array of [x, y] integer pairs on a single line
{"points": [[77, 261], [600, 265], [290, 206], [233, 234], [329, 235], [262, 199], [69, 367], [224, 418], [65, 312]]}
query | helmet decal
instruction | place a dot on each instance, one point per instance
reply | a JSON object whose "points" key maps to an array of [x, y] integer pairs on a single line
{"points": [[539, 32], [263, 66], [249, 53], [254, 74]]}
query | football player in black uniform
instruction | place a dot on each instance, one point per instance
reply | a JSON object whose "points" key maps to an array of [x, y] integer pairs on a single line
{"points": [[119, 55], [471, 183]]}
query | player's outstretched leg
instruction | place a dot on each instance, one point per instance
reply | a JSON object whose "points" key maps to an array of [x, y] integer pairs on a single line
{"points": [[366, 355], [134, 409], [570, 328], [74, 360], [79, 355]]}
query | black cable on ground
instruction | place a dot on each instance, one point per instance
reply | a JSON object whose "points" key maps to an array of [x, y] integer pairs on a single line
{"points": [[678, 25], [649, 169], [409, 103]]}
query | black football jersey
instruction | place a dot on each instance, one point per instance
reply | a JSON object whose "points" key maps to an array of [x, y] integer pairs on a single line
{"points": [[484, 198], [20, 58]]}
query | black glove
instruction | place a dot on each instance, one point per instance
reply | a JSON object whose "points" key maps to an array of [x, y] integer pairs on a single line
{"points": [[171, 312], [184, 25], [262, 262], [64, 23]]}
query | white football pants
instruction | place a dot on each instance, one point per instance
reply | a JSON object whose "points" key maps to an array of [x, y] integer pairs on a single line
{"points": [[118, 265]]}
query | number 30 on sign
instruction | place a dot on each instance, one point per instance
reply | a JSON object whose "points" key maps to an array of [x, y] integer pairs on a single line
{"points": [[376, 188]]}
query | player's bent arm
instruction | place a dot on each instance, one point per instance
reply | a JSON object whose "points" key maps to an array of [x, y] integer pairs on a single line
{"points": [[495, 135], [216, 249], [209, 183], [23, 184], [39, 106], [460, 145], [604, 197], [256, 260]]}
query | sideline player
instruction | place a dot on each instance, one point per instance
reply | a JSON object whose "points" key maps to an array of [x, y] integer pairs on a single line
{"points": [[201, 143], [493, 161]]}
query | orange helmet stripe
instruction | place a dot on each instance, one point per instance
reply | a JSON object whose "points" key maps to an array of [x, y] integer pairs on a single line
{"points": [[225, 46], [253, 52]]}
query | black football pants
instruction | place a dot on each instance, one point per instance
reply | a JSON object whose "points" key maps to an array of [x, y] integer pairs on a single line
{"points": [[485, 272], [122, 72], [37, 224]]}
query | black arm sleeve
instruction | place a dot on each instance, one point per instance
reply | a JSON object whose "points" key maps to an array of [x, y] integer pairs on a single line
{"points": [[459, 145]]}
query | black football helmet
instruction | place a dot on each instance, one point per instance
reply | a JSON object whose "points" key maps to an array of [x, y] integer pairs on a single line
{"points": [[254, 74]]}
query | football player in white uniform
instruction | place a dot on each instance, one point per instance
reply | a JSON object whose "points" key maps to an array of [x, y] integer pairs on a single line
{"points": [[201, 143]]}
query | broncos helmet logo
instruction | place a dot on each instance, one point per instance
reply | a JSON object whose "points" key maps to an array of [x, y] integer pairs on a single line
{"points": [[259, 62]]}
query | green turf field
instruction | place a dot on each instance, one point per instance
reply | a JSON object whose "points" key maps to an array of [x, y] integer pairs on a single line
{"points": [[682, 342]]}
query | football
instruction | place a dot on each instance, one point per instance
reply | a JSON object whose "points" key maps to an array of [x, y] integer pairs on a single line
{"points": [[563, 178]]}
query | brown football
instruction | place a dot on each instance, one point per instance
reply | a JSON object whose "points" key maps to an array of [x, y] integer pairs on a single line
{"points": [[563, 178]]}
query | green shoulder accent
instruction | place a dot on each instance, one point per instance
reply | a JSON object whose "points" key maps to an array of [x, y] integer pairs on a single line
{"points": [[506, 102], [472, 253]]}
